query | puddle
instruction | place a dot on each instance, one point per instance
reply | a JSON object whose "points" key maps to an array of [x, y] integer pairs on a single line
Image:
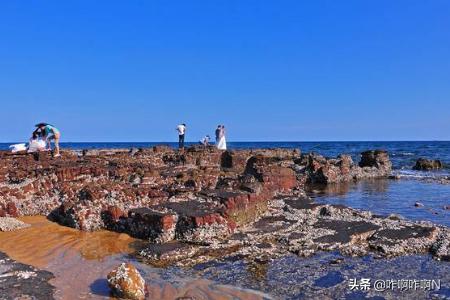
{"points": [[80, 262]]}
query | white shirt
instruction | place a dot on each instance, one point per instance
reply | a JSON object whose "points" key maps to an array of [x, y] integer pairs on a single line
{"points": [[205, 140], [181, 129]]}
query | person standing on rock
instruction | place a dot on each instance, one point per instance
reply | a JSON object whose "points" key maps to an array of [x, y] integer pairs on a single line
{"points": [[221, 141], [181, 133], [218, 129], [49, 133]]}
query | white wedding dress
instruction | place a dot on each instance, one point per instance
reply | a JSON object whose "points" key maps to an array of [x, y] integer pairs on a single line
{"points": [[222, 143]]}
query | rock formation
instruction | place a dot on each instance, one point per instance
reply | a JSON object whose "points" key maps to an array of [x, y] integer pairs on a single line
{"points": [[19, 281], [203, 202], [126, 282], [427, 164], [373, 164]]}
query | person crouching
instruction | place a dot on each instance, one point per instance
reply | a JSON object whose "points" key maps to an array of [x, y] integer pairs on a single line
{"points": [[49, 133]]}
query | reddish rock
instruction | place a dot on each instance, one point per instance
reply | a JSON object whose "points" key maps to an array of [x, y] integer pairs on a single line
{"points": [[11, 209], [283, 179], [100, 188], [115, 213], [320, 170], [150, 224], [126, 282]]}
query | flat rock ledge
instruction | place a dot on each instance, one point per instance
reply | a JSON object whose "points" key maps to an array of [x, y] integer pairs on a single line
{"points": [[300, 226], [19, 281]]}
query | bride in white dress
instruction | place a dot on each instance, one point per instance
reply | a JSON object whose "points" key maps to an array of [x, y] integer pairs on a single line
{"points": [[221, 141]]}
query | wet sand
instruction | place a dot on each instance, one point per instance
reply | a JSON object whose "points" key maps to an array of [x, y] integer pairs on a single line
{"points": [[80, 262]]}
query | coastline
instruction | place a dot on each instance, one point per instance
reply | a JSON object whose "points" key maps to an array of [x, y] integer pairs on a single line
{"points": [[203, 205]]}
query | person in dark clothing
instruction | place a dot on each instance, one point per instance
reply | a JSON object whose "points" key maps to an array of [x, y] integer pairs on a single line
{"points": [[218, 130]]}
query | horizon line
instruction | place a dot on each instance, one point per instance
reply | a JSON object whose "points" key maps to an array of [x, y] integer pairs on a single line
{"points": [[242, 141]]}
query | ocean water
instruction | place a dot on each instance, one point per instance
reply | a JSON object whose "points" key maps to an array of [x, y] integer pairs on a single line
{"points": [[385, 197]]}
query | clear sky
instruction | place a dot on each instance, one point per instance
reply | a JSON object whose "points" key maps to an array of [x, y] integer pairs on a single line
{"points": [[268, 70]]}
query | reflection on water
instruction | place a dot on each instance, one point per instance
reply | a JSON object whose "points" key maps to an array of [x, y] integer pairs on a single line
{"points": [[390, 196], [45, 240], [80, 262], [202, 289], [342, 189]]}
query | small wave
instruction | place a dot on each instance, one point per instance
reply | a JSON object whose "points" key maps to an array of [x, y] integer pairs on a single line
{"points": [[403, 154], [421, 175], [407, 153]]}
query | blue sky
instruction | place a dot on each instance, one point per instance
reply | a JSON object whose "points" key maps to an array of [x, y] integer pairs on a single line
{"points": [[268, 70]]}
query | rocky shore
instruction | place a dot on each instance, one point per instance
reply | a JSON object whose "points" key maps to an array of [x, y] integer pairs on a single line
{"points": [[19, 281], [196, 205]]}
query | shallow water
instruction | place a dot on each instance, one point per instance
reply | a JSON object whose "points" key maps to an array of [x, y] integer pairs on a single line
{"points": [[80, 262], [327, 275], [386, 197]]}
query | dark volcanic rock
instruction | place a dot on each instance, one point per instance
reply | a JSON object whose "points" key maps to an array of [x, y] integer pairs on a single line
{"points": [[303, 203], [272, 223], [19, 281], [375, 158], [146, 223], [410, 239], [427, 164], [200, 221], [347, 232]]}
